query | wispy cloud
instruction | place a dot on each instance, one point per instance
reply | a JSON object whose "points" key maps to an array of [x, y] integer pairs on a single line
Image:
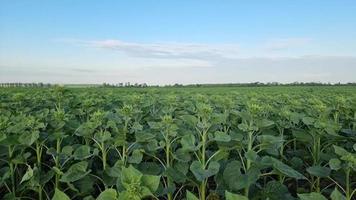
{"points": [[286, 43], [195, 51], [169, 50]]}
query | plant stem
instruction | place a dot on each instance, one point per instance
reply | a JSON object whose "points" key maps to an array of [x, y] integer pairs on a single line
{"points": [[58, 150], [124, 145], [248, 162], [203, 162], [103, 154], [12, 172], [39, 155], [348, 196], [168, 164], [281, 150]]}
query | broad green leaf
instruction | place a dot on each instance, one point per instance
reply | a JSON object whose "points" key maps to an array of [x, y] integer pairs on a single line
{"points": [[270, 141], [57, 171], [108, 194], [231, 174], [231, 196], [264, 123], [102, 136], [136, 157], [130, 175], [82, 152], [340, 151], [151, 182], [303, 136], [251, 155], [144, 136], [200, 173], [308, 120], [144, 192], [67, 150], [274, 190], [75, 172], [311, 196], [222, 137], [29, 138], [188, 142], [125, 195], [191, 196], [286, 170], [190, 120], [175, 175], [28, 175], [86, 184], [182, 155], [336, 195], [319, 171], [2, 136], [335, 164], [59, 195], [5, 174]]}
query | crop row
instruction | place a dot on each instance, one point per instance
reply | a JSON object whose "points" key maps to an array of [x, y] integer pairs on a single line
{"points": [[112, 144]]}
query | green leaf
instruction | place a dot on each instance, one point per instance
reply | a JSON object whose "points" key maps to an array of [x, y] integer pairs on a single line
{"points": [[200, 173], [143, 136], [175, 175], [285, 169], [231, 174], [308, 120], [222, 137], [274, 190], [2, 136], [191, 196], [264, 123], [57, 171], [75, 172], [59, 195], [335, 164], [67, 150], [28, 175], [144, 192], [231, 196], [82, 152], [188, 142], [340, 151], [151, 182], [319, 171], [108, 194], [102, 136], [251, 155], [29, 138], [182, 155], [130, 175], [336, 195], [136, 157], [311, 196]]}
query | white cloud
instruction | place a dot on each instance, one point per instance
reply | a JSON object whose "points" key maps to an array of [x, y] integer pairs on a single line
{"points": [[169, 50], [161, 63], [286, 43]]}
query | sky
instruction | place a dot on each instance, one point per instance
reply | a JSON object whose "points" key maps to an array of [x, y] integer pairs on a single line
{"points": [[185, 41]]}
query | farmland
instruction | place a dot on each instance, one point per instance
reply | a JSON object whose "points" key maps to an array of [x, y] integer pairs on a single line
{"points": [[233, 143]]}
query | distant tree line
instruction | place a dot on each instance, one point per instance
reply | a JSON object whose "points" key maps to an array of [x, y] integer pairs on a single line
{"points": [[37, 85], [126, 84], [260, 84], [143, 85]]}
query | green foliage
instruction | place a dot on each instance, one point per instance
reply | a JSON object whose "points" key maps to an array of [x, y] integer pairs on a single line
{"points": [[226, 143]]}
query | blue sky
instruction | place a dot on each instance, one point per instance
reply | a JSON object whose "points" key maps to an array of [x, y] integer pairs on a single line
{"points": [[165, 42]]}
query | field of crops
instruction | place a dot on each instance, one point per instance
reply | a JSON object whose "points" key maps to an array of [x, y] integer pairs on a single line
{"points": [[178, 143]]}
